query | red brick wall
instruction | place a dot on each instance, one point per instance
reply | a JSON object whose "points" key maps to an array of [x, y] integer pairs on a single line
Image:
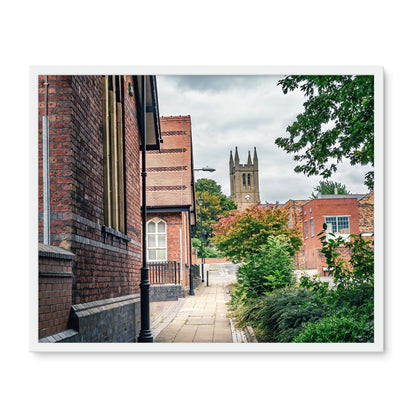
{"points": [[60, 150], [105, 265], [318, 209], [54, 295]]}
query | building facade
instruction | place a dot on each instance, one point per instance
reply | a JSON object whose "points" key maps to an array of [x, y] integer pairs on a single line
{"points": [[343, 214], [244, 180], [90, 201], [171, 198]]}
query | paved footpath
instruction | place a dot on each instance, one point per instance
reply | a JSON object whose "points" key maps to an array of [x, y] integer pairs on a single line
{"points": [[203, 317]]}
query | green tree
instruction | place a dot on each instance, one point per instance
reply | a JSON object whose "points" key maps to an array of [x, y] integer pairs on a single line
{"points": [[244, 232], [328, 188], [337, 123], [215, 204]]}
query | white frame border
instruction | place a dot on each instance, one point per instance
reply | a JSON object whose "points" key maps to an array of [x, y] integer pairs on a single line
{"points": [[377, 346]]}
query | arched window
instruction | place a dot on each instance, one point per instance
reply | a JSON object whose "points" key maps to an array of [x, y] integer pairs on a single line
{"points": [[249, 180], [156, 240], [244, 179]]}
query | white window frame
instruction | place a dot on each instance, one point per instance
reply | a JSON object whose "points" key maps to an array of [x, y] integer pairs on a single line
{"points": [[290, 225], [306, 229], [157, 248], [336, 234], [312, 223]]}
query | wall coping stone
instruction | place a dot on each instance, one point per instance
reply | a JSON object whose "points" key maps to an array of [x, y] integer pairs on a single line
{"points": [[60, 336], [54, 252]]}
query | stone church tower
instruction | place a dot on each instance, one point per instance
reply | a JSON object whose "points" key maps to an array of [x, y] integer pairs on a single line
{"points": [[244, 180]]}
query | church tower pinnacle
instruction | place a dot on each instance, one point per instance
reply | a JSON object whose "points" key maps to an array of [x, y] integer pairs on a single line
{"points": [[244, 180]]}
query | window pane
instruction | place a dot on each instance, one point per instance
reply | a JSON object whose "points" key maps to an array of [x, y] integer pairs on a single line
{"points": [[161, 241], [332, 224], [152, 254], [151, 240], [151, 227], [161, 254], [306, 229], [161, 227], [343, 225], [312, 228]]}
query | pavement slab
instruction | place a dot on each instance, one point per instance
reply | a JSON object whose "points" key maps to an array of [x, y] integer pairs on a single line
{"points": [[203, 317]]}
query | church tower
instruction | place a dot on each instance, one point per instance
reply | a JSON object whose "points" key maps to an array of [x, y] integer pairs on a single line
{"points": [[244, 180]]}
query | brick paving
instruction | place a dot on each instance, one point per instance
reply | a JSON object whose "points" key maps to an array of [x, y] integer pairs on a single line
{"points": [[203, 317]]}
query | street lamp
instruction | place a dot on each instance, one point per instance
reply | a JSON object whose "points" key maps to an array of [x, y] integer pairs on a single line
{"points": [[206, 169], [201, 202]]}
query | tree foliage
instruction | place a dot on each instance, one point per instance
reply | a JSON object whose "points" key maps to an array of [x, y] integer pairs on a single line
{"points": [[337, 123], [215, 204], [328, 187], [268, 269], [244, 232]]}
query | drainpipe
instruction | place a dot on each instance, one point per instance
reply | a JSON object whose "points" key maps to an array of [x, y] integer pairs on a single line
{"points": [[46, 178], [145, 332], [181, 258], [191, 277]]}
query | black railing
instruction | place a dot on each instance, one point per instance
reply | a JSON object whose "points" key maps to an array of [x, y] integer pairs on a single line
{"points": [[162, 273]]}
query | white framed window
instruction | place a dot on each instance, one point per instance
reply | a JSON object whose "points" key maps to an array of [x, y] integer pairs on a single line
{"points": [[156, 240], [339, 226], [306, 229], [290, 225], [312, 228]]}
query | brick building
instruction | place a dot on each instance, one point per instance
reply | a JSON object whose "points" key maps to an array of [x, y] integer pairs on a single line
{"points": [[90, 227], [171, 198], [343, 214]]}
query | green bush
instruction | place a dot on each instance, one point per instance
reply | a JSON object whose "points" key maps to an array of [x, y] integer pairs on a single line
{"points": [[268, 269], [280, 316], [285, 313], [356, 325]]}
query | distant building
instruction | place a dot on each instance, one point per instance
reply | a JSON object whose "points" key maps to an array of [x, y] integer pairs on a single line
{"points": [[343, 214], [171, 199], [244, 180]]}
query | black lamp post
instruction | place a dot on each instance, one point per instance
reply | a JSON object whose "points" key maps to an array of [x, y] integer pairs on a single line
{"points": [[201, 202], [145, 334]]}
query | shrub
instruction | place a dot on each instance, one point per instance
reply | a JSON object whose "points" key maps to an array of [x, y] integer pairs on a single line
{"points": [[281, 316], [356, 325], [268, 269], [286, 312]]}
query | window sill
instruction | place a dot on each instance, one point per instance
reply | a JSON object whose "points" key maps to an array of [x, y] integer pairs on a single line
{"points": [[107, 231]]}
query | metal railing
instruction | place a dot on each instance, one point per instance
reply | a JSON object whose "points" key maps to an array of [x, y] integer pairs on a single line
{"points": [[162, 273]]}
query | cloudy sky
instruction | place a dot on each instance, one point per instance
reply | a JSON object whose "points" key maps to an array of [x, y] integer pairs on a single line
{"points": [[245, 111]]}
